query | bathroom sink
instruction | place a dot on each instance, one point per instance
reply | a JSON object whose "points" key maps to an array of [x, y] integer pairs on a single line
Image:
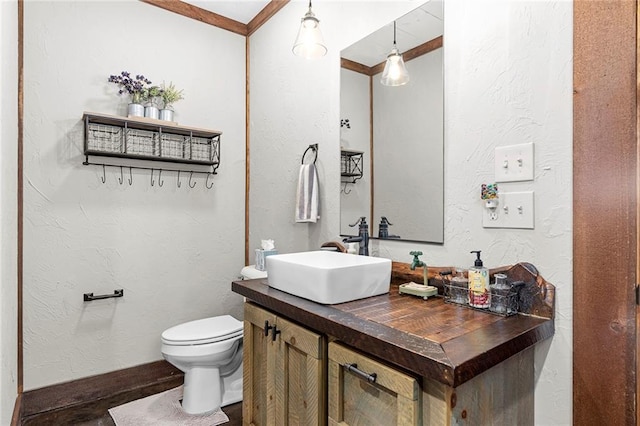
{"points": [[329, 277]]}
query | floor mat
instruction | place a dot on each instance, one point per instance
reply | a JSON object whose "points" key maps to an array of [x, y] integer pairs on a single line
{"points": [[162, 409]]}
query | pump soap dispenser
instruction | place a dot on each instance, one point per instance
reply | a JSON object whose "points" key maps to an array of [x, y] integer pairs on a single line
{"points": [[479, 295]]}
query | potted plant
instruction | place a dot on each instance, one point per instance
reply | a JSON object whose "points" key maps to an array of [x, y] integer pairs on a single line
{"points": [[134, 87], [170, 95], [150, 98]]}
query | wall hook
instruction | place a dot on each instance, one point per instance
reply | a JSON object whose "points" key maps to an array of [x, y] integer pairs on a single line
{"points": [[130, 177], [194, 183], [121, 178], [104, 175], [345, 189], [314, 148], [152, 182], [160, 181], [207, 182], [178, 179]]}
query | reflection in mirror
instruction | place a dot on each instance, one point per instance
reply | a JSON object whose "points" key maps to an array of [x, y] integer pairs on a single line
{"points": [[397, 130]]}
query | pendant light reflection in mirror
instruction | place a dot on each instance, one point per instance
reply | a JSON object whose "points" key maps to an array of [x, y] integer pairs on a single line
{"points": [[395, 73], [309, 43]]}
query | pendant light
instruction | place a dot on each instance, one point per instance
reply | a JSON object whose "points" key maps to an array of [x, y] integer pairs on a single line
{"points": [[395, 73], [309, 43]]}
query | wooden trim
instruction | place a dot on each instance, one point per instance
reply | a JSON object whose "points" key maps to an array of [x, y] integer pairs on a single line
{"points": [[247, 156], [265, 14], [20, 190], [199, 14], [423, 49], [79, 400], [16, 418], [355, 66], [604, 220], [371, 167]]}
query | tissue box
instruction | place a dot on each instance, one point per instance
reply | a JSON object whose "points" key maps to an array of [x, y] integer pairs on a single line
{"points": [[261, 255]]}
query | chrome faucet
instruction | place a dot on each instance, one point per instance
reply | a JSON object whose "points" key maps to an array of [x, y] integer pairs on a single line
{"points": [[363, 236]]}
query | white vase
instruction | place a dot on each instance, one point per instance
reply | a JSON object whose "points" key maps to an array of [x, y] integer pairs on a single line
{"points": [[151, 111], [135, 110], [166, 114]]}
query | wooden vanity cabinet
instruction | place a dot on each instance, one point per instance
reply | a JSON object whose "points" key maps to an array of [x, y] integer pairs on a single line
{"points": [[284, 371], [362, 391]]}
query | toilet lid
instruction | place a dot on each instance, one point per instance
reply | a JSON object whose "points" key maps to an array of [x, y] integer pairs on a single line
{"points": [[207, 330]]}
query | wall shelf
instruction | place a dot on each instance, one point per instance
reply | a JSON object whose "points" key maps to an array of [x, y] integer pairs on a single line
{"points": [[351, 165], [149, 139]]}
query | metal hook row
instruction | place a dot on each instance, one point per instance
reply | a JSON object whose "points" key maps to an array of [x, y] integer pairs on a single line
{"points": [[192, 183]]}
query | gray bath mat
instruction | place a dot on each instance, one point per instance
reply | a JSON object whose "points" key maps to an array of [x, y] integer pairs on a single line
{"points": [[162, 409]]}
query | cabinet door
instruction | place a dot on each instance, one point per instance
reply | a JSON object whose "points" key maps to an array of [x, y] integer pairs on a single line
{"points": [[284, 378], [300, 376], [363, 391], [258, 407]]}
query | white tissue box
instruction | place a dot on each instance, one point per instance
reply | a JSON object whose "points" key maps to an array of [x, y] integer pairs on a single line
{"points": [[261, 255]]}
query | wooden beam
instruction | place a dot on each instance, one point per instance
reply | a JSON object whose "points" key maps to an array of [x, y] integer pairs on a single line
{"points": [[604, 212], [355, 66], [199, 14], [265, 14]]}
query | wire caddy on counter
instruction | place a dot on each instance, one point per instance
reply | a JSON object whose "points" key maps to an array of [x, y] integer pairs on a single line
{"points": [[504, 294]]}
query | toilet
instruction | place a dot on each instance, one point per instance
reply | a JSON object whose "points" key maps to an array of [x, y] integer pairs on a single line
{"points": [[209, 352]]}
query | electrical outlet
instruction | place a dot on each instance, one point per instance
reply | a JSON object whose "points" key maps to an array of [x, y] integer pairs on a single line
{"points": [[514, 210], [514, 163]]}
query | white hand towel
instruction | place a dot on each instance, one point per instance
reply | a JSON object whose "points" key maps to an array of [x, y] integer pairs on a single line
{"points": [[307, 195]]}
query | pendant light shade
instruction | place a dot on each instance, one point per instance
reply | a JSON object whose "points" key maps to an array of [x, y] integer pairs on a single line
{"points": [[309, 44], [395, 73]]}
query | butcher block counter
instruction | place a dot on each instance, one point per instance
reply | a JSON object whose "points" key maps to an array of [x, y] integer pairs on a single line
{"points": [[443, 345]]}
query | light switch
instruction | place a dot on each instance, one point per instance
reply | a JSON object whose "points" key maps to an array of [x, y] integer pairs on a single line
{"points": [[514, 210], [514, 163]]}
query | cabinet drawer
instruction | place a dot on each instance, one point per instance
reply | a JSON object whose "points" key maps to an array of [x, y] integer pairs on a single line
{"points": [[365, 391]]}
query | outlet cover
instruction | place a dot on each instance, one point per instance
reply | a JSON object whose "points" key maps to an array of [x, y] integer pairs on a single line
{"points": [[514, 163], [514, 210]]}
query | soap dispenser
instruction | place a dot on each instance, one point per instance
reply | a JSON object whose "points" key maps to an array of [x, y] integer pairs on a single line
{"points": [[479, 294]]}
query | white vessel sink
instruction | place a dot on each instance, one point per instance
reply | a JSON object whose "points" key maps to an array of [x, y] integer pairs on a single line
{"points": [[329, 277]]}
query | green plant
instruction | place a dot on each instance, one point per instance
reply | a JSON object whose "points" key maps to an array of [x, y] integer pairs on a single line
{"points": [[150, 94], [171, 95]]}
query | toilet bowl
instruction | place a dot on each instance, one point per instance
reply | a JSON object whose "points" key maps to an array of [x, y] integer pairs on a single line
{"points": [[209, 352]]}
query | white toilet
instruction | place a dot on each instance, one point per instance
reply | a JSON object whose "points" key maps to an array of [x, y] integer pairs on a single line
{"points": [[209, 351]]}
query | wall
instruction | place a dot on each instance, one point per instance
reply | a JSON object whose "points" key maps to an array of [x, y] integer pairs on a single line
{"points": [[8, 208], [508, 80], [173, 250]]}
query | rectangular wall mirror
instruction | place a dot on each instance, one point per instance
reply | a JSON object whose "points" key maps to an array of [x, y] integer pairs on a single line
{"points": [[392, 137]]}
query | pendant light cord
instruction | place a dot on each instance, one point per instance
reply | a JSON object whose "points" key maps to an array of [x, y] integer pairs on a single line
{"points": [[394, 30]]}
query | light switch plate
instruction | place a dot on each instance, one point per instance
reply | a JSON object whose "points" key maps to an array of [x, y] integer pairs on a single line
{"points": [[514, 210], [514, 163]]}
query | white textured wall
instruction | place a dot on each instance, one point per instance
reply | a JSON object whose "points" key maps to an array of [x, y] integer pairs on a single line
{"points": [[355, 199], [8, 208], [174, 251], [508, 80]]}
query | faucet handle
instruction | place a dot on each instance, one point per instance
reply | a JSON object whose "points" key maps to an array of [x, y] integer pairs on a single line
{"points": [[362, 222], [415, 253]]}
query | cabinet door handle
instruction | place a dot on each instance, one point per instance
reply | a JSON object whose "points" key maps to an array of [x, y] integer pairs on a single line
{"points": [[371, 378], [274, 333], [267, 327]]}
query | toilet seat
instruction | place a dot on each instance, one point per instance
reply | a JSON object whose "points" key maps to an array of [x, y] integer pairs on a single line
{"points": [[203, 331]]}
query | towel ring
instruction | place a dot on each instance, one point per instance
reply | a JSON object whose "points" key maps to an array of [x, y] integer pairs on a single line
{"points": [[314, 148]]}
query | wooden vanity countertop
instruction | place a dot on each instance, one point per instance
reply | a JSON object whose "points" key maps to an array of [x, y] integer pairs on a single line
{"points": [[430, 338]]}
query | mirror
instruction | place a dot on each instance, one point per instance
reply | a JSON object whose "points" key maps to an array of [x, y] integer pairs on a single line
{"points": [[392, 137]]}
